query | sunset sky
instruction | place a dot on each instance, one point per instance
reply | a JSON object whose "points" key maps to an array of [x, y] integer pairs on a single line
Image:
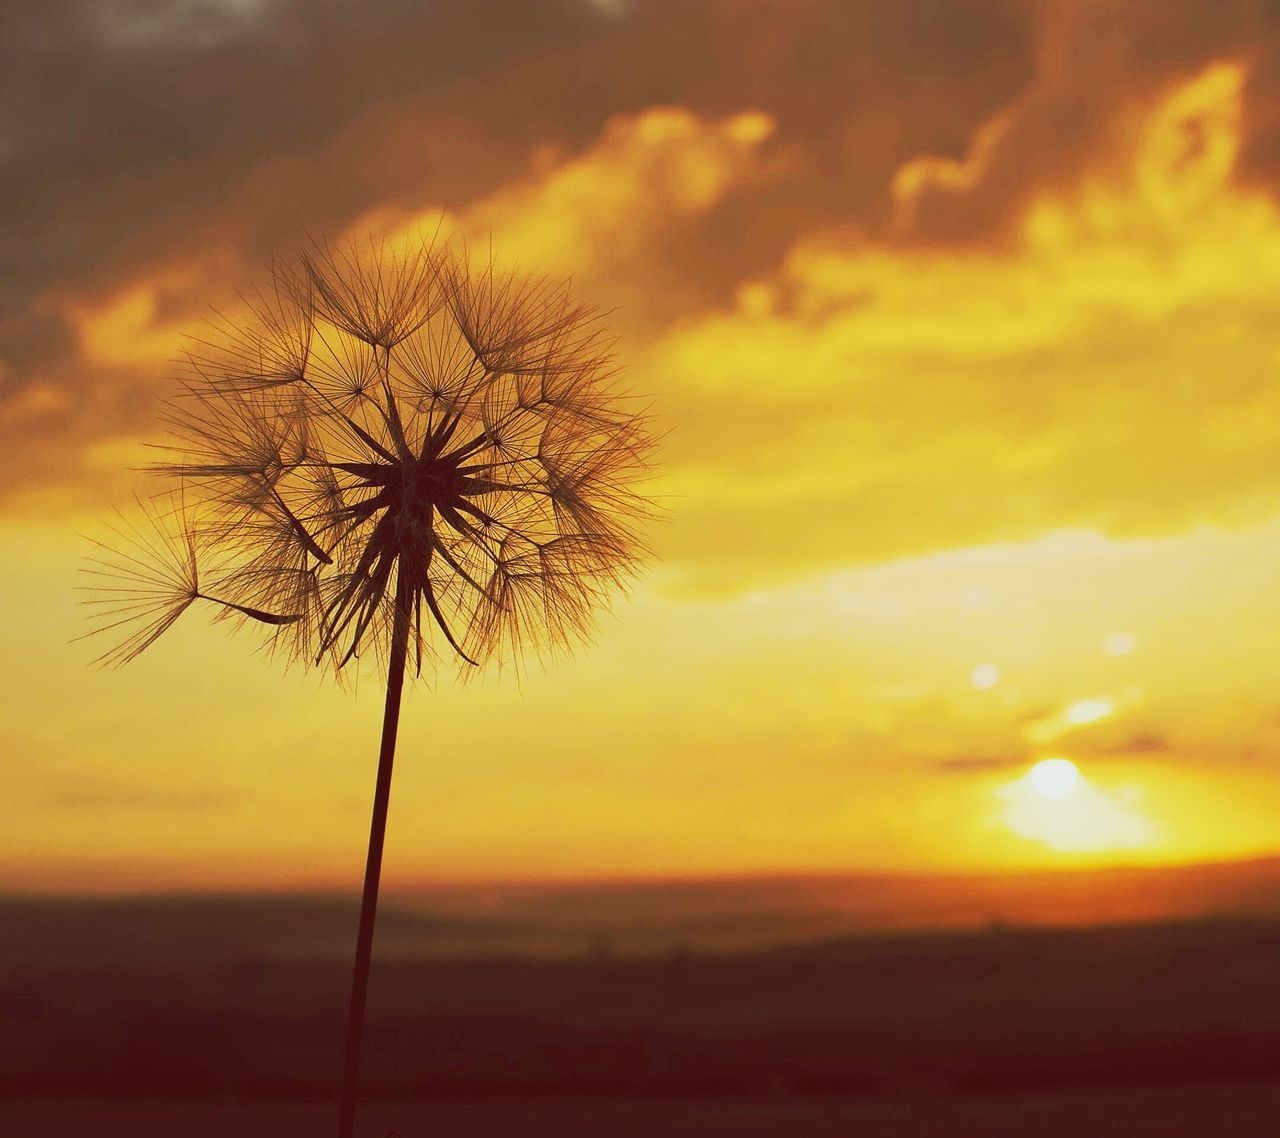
{"points": [[961, 321]]}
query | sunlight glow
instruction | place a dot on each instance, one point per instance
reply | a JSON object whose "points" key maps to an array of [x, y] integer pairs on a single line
{"points": [[1054, 804], [984, 677], [1088, 711], [1120, 643]]}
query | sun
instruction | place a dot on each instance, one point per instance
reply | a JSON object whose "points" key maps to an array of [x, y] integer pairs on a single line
{"points": [[1054, 778], [1054, 804]]}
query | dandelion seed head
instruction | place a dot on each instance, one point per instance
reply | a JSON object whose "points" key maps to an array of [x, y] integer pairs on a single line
{"points": [[387, 431]]}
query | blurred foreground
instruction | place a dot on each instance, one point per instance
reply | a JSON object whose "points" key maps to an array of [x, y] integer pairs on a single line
{"points": [[655, 1010], [1160, 1112]]}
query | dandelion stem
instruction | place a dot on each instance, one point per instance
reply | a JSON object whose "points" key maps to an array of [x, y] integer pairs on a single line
{"points": [[373, 866]]}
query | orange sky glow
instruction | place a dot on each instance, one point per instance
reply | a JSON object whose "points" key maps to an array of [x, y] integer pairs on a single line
{"points": [[960, 322]]}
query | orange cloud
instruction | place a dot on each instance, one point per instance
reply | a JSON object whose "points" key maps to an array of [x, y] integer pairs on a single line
{"points": [[1114, 367], [602, 216]]}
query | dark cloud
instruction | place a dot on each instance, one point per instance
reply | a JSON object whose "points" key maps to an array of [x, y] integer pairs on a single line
{"points": [[242, 120], [98, 794], [137, 133], [979, 764], [1139, 744], [145, 133], [31, 340], [119, 141], [142, 133], [1093, 63], [1143, 743]]}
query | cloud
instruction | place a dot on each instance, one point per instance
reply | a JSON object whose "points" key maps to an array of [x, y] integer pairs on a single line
{"points": [[978, 764], [112, 796], [904, 277], [1143, 743], [1098, 68], [618, 216], [606, 215], [126, 25], [144, 137], [1112, 368], [644, 177]]}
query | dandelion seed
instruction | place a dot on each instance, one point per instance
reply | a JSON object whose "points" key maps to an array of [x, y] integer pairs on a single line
{"points": [[143, 580]]}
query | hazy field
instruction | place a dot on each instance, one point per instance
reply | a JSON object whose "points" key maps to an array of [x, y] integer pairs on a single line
{"points": [[647, 1011]]}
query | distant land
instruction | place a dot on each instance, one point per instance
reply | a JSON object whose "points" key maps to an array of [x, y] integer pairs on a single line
{"points": [[624, 918], [903, 988]]}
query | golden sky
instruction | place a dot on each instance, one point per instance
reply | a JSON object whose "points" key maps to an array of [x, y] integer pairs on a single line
{"points": [[960, 318]]}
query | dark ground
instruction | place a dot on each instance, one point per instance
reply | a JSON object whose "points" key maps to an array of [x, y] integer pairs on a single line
{"points": [[1167, 1029], [1240, 1111]]}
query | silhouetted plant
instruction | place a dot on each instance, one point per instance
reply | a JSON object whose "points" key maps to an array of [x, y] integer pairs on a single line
{"points": [[397, 455]]}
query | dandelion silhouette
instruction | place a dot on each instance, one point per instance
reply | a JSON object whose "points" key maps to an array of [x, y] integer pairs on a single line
{"points": [[399, 456]]}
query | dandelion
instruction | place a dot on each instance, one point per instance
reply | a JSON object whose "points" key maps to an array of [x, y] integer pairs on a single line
{"points": [[397, 457]]}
